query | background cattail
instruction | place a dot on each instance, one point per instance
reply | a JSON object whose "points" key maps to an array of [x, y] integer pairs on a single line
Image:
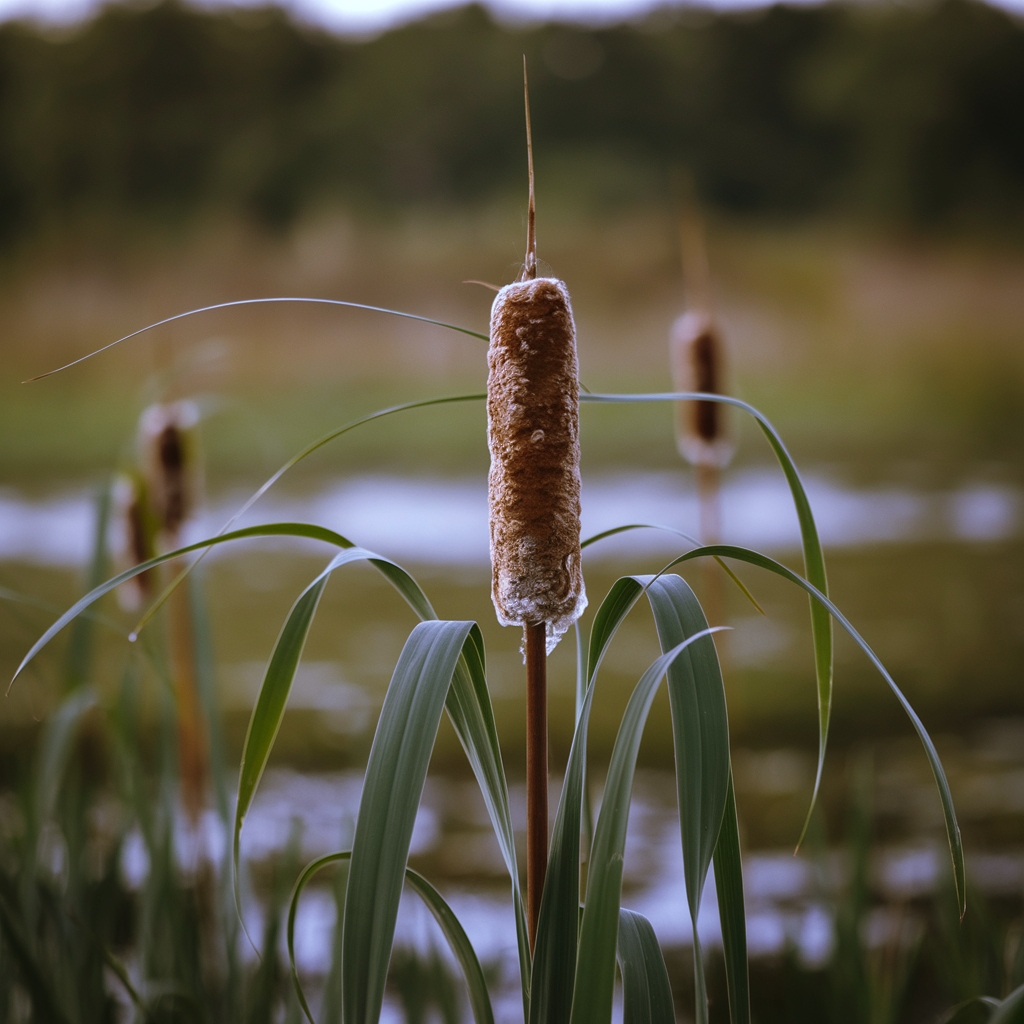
{"points": [[699, 364], [169, 455], [170, 460], [134, 537], [533, 435]]}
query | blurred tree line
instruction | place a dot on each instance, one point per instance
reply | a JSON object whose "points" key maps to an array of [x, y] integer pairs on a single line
{"points": [[913, 114]]}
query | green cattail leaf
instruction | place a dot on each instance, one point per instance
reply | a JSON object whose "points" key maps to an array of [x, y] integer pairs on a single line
{"points": [[646, 992], [392, 787], [472, 715], [814, 558], [458, 941], [554, 961], [700, 729], [731, 912], [268, 712], [949, 814], [595, 962]]}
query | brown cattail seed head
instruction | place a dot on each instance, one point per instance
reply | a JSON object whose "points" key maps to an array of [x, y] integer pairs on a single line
{"points": [[169, 456], [698, 364], [533, 434], [134, 537]]}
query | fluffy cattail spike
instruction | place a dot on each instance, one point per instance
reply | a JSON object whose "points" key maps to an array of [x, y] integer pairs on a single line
{"points": [[698, 357], [134, 532], [169, 455], [533, 435]]}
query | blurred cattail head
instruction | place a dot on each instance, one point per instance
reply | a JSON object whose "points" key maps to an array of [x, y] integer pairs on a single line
{"points": [[699, 364], [134, 537], [169, 456], [533, 435]]}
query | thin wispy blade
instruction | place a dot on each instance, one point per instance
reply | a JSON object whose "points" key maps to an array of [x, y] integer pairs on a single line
{"points": [[484, 284], [259, 302]]}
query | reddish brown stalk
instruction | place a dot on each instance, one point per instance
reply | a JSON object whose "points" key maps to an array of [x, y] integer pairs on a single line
{"points": [[191, 734], [709, 500], [535, 637]]}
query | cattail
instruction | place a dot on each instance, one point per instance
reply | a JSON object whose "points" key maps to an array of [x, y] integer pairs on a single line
{"points": [[134, 539], [533, 436], [169, 454], [698, 364]]}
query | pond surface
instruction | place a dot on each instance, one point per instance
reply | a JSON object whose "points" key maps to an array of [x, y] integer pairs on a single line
{"points": [[932, 576]]}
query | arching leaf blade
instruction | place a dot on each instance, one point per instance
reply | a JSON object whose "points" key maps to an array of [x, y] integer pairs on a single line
{"points": [[392, 788], [268, 711], [304, 530], [814, 558], [646, 991], [276, 299], [595, 961], [732, 913], [472, 715], [700, 732], [458, 940], [939, 774], [626, 528]]}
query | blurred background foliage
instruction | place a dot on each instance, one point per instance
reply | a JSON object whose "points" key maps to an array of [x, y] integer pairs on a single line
{"points": [[159, 114]]}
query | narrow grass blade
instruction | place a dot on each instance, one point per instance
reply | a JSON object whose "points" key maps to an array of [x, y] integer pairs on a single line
{"points": [[392, 788], [814, 558], [700, 730], [595, 970], [646, 992], [615, 530], [257, 302], [458, 940], [945, 797], [266, 530], [469, 707], [1011, 1009], [731, 911]]}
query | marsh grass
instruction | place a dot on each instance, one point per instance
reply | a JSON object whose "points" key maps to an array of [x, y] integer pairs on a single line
{"points": [[180, 957]]}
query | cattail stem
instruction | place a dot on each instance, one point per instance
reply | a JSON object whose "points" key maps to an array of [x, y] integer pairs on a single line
{"points": [[192, 759], [710, 511], [535, 637]]}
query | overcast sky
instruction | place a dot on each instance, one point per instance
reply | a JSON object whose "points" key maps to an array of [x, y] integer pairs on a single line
{"points": [[370, 16]]}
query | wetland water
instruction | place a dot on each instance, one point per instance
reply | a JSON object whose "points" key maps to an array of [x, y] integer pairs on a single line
{"points": [[931, 576]]}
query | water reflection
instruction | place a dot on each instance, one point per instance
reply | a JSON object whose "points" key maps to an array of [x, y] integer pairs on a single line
{"points": [[791, 900], [432, 521]]}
